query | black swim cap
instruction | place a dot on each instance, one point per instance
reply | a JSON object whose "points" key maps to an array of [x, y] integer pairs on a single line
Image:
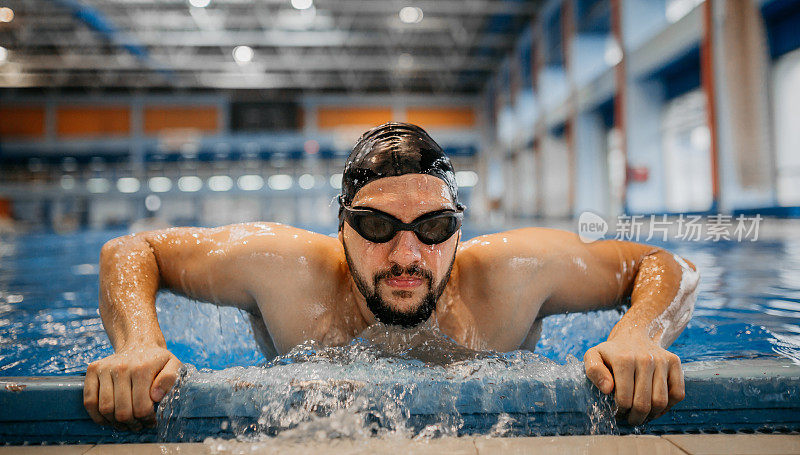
{"points": [[394, 149]]}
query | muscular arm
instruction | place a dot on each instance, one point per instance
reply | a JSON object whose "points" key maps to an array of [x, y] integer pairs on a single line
{"points": [[539, 272], [659, 285], [134, 268], [226, 266], [221, 265], [531, 273]]}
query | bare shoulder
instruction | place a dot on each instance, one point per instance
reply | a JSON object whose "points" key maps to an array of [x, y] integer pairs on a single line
{"points": [[543, 250], [279, 238], [502, 261], [493, 250], [312, 262], [238, 263], [243, 241], [504, 278]]}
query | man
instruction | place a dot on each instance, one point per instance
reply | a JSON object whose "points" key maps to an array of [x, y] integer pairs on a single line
{"points": [[398, 260]]}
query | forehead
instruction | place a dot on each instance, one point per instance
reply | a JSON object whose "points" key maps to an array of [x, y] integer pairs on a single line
{"points": [[421, 191]]}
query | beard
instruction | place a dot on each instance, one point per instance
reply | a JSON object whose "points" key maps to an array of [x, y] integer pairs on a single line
{"points": [[382, 310]]}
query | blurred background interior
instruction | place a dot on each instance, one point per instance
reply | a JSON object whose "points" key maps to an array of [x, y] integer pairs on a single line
{"points": [[208, 112]]}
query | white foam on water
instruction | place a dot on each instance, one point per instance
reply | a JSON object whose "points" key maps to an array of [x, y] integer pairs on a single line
{"points": [[368, 389]]}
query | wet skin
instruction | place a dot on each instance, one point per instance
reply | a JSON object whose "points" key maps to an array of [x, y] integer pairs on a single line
{"points": [[298, 286]]}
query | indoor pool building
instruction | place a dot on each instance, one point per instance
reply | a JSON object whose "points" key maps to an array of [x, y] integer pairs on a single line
{"points": [[672, 123]]}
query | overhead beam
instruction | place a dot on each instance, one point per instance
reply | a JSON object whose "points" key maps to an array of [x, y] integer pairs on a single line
{"points": [[246, 20], [295, 39], [350, 45], [311, 63], [429, 7], [211, 79]]}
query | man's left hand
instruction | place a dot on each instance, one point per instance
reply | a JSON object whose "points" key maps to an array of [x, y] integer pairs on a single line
{"points": [[646, 378]]}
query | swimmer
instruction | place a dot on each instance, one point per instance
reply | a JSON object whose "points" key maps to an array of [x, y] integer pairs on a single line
{"points": [[399, 260]]}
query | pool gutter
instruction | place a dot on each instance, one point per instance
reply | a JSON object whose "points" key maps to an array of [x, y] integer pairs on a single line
{"points": [[746, 395]]}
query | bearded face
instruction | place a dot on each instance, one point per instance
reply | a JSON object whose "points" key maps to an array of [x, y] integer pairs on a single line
{"points": [[401, 279]]}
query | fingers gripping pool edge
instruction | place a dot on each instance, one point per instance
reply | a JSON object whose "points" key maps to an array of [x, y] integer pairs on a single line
{"points": [[165, 379], [597, 371]]}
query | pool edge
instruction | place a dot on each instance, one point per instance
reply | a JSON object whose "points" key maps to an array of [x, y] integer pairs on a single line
{"points": [[722, 396]]}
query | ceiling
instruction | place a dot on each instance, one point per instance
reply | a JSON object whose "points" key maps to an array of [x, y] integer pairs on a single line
{"points": [[333, 46]]}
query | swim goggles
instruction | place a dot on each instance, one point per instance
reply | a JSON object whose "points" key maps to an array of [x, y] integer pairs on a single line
{"points": [[379, 227]]}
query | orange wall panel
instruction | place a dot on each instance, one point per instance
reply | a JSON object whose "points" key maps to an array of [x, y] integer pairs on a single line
{"points": [[332, 117], [93, 121], [203, 118], [448, 117], [17, 122]]}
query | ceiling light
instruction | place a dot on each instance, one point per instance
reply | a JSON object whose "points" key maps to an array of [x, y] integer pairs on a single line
{"points": [[280, 182], [613, 53], [220, 183], [199, 3], [190, 183], [677, 9], [128, 185], [243, 54], [700, 138], [302, 4], [411, 15], [98, 185], [160, 184], [466, 178], [336, 181], [152, 202], [67, 182], [6, 14], [250, 182], [306, 181]]}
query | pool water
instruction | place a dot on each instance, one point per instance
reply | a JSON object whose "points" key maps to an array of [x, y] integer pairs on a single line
{"points": [[748, 306], [415, 384]]}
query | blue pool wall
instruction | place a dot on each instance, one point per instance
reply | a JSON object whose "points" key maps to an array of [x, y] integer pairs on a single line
{"points": [[751, 395]]}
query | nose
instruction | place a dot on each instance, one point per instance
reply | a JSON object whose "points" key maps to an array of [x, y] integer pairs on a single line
{"points": [[405, 249]]}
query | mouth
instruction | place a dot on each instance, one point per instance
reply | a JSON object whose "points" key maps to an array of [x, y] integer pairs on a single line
{"points": [[404, 282]]}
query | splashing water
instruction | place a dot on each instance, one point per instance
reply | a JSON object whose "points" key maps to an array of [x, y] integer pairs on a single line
{"points": [[49, 325], [412, 383], [49, 321]]}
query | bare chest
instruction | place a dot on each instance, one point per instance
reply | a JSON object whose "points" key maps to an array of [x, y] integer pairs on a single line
{"points": [[296, 317], [334, 319], [488, 323]]}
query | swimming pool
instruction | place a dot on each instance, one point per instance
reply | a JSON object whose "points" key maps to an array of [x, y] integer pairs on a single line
{"points": [[741, 351]]}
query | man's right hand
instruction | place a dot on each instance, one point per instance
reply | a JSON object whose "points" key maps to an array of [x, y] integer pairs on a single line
{"points": [[121, 389]]}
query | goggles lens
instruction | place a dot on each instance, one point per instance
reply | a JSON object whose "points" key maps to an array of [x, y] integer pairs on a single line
{"points": [[379, 227]]}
